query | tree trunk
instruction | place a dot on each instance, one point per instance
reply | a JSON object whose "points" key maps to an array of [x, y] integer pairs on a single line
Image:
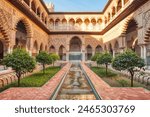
{"points": [[43, 68], [106, 69], [53, 64], [19, 77], [132, 75]]}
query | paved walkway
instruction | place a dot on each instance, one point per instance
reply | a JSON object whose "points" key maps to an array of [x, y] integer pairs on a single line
{"points": [[111, 93], [41, 93], [104, 90]]}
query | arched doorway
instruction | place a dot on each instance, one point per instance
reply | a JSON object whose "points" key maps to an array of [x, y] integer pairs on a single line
{"points": [[110, 49], [131, 37], [98, 49], [46, 48], [52, 49], [41, 47], [116, 48], [21, 35], [1, 50], [75, 45], [88, 52], [62, 53], [35, 49], [75, 51], [105, 48]]}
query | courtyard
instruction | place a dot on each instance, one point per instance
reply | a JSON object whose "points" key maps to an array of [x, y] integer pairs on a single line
{"points": [[55, 55]]}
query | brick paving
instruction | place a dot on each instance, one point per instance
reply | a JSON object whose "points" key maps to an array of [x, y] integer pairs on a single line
{"points": [[104, 90], [40, 93], [112, 93]]}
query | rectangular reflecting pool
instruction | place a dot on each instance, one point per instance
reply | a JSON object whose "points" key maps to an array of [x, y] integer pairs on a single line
{"points": [[75, 86]]}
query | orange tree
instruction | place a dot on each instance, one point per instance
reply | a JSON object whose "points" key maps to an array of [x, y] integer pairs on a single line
{"points": [[129, 61], [95, 57], [20, 61], [54, 57], [44, 58], [105, 58]]}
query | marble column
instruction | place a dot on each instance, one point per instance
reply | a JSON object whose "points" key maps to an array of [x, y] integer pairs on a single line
{"points": [[67, 56], [83, 56], [144, 53], [114, 53]]}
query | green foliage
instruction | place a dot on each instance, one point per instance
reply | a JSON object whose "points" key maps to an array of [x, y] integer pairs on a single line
{"points": [[20, 61], [54, 57], [123, 83], [94, 58], [115, 80], [105, 58], [35, 80], [101, 71], [44, 58], [128, 60]]}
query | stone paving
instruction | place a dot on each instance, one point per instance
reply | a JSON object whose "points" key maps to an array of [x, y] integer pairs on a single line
{"points": [[111, 93], [40, 93]]}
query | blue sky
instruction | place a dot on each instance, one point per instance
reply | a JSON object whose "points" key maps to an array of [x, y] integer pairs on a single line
{"points": [[78, 5]]}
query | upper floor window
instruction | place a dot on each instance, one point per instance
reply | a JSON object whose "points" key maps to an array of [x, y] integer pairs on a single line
{"points": [[119, 5]]}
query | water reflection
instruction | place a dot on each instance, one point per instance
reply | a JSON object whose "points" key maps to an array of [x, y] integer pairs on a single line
{"points": [[75, 86]]}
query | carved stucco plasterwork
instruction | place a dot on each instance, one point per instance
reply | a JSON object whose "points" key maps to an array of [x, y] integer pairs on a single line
{"points": [[146, 21], [5, 19]]}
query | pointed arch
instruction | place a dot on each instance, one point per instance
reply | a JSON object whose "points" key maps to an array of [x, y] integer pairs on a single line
{"points": [[132, 36], [93, 21], [79, 21], [71, 22], [108, 17], [113, 11], [87, 21], [88, 52], [75, 44], [62, 52], [27, 25], [46, 48], [57, 23], [99, 21], [52, 49], [33, 6], [41, 47], [106, 20], [98, 49], [119, 5], [35, 48], [38, 11], [116, 45], [126, 24], [110, 49]]}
